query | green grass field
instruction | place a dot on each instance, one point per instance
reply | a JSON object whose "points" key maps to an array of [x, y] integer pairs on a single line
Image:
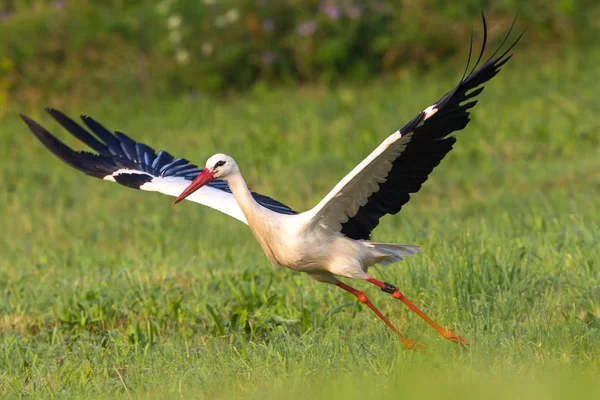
{"points": [[114, 292]]}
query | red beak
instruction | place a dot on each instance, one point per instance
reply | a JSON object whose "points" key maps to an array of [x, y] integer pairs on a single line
{"points": [[202, 179]]}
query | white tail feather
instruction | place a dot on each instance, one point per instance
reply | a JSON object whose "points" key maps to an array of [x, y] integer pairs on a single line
{"points": [[392, 253]]}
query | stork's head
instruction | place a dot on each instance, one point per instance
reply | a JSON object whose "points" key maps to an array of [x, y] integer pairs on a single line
{"points": [[219, 166]]}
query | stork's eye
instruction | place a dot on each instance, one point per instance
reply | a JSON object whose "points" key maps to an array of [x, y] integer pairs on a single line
{"points": [[219, 164]]}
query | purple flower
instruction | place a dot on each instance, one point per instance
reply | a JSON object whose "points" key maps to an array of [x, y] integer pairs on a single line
{"points": [[268, 25], [382, 7], [59, 4], [307, 28], [330, 9], [355, 11], [268, 57], [5, 15]]}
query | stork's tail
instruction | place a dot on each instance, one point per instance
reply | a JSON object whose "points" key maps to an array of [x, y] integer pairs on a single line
{"points": [[388, 253]]}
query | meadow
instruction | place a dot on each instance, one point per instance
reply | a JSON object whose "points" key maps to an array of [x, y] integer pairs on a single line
{"points": [[107, 291]]}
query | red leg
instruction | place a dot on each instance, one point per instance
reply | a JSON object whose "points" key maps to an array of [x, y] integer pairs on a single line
{"points": [[393, 290], [409, 343]]}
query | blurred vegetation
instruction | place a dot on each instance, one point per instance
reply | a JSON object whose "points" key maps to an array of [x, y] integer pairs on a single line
{"points": [[88, 48]]}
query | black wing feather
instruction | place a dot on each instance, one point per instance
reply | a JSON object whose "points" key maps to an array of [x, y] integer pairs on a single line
{"points": [[78, 131], [113, 144], [162, 159], [118, 151], [429, 143]]}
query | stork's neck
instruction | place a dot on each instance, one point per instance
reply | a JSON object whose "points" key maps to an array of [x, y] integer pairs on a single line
{"points": [[243, 197], [260, 219]]}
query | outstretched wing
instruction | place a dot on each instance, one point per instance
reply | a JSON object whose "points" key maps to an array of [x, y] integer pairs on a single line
{"points": [[381, 184], [136, 165]]}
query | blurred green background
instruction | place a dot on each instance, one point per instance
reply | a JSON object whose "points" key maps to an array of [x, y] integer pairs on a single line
{"points": [[110, 292], [91, 48]]}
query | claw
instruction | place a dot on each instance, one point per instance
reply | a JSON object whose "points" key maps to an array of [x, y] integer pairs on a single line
{"points": [[454, 338], [414, 345]]}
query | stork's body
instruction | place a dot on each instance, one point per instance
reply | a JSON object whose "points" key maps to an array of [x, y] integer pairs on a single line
{"points": [[307, 243], [331, 240], [293, 241]]}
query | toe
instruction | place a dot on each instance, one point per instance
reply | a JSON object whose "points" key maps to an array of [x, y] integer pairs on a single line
{"points": [[414, 345], [454, 338]]}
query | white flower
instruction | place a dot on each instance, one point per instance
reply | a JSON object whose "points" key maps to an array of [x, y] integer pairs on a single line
{"points": [[175, 37], [232, 15], [182, 56], [174, 21], [163, 6], [207, 49]]}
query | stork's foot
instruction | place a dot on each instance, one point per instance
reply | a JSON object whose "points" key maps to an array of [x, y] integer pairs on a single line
{"points": [[447, 333], [414, 345], [393, 290]]}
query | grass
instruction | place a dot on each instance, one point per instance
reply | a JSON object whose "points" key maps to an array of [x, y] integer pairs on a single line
{"points": [[108, 292]]}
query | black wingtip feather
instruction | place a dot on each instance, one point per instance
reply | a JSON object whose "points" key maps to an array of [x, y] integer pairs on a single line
{"points": [[483, 44], [121, 152], [77, 131], [512, 25], [468, 58], [27, 120], [81, 161], [430, 142], [113, 144]]}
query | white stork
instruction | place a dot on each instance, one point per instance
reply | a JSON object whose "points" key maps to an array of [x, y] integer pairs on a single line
{"points": [[332, 239]]}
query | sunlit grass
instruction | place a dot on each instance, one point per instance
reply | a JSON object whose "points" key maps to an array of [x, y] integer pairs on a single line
{"points": [[112, 291]]}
